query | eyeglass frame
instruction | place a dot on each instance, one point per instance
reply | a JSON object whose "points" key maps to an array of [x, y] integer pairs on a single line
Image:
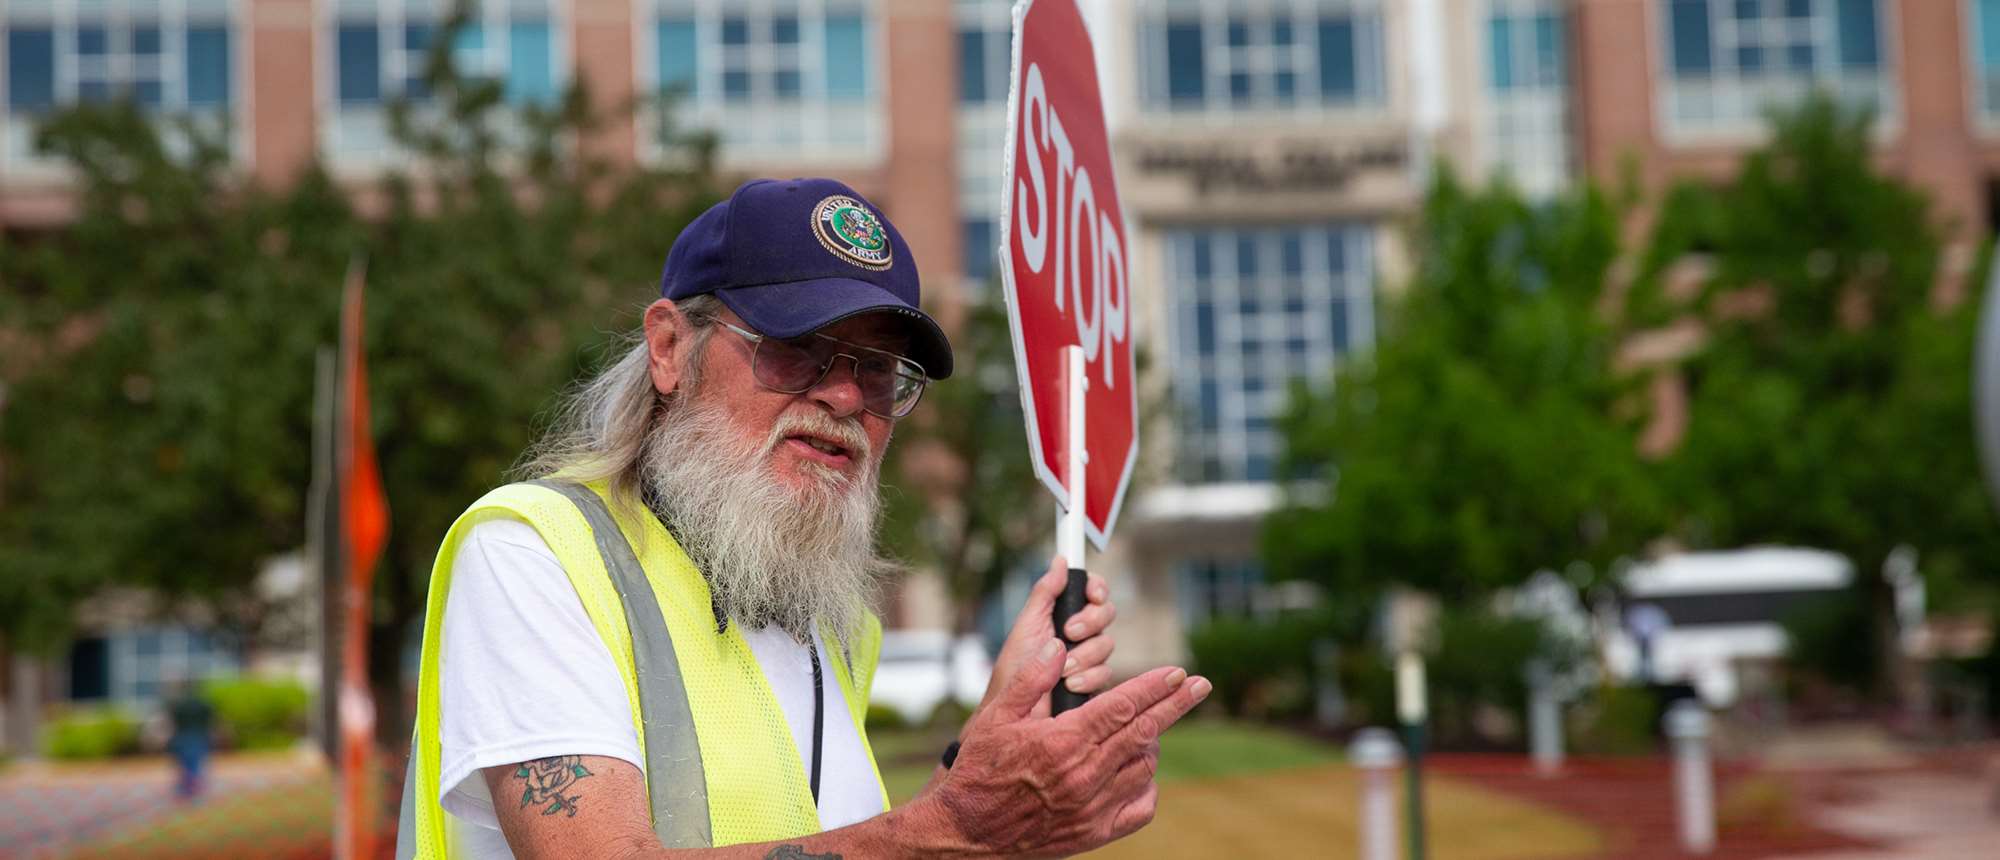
{"points": [[757, 340]]}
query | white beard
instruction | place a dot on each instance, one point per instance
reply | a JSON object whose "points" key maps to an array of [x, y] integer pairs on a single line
{"points": [[772, 554]]}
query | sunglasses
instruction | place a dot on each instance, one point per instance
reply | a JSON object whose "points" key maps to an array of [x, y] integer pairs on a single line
{"points": [[890, 384]]}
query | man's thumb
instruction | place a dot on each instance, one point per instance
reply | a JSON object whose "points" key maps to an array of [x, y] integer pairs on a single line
{"points": [[1036, 677]]}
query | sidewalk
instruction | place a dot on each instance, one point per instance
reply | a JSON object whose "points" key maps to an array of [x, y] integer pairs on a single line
{"points": [[51, 808]]}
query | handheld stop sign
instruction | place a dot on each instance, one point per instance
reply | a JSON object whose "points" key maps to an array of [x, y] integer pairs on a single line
{"points": [[1065, 263]]}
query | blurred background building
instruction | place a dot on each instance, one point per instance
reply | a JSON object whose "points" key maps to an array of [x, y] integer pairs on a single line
{"points": [[1269, 152]]}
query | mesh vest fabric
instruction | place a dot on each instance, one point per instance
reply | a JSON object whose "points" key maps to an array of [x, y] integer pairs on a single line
{"points": [[757, 788]]}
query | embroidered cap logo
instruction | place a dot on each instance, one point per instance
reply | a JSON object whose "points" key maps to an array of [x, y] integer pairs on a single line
{"points": [[849, 230]]}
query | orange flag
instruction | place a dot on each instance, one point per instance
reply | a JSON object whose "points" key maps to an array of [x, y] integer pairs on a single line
{"points": [[364, 528]]}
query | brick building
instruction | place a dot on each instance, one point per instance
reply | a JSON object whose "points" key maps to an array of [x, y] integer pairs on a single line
{"points": [[1269, 151]]}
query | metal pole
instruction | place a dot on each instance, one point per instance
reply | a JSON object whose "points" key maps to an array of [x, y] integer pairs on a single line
{"points": [[1694, 784], [1411, 709], [1070, 529], [1375, 753], [1545, 740]]}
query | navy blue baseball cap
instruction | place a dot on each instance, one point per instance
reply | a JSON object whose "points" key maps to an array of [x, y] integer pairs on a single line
{"points": [[793, 256]]}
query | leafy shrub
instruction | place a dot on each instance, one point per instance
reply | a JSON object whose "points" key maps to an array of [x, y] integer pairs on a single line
{"points": [[1831, 639], [259, 713], [96, 733], [1259, 667], [1617, 721], [884, 718]]}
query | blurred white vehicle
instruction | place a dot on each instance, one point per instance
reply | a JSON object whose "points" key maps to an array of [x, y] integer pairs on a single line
{"points": [[921, 669]]}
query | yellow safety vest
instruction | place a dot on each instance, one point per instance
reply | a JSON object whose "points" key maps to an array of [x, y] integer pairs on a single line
{"points": [[703, 702]]}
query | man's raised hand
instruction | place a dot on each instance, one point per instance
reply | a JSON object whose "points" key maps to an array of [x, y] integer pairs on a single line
{"points": [[1084, 667], [1025, 784]]}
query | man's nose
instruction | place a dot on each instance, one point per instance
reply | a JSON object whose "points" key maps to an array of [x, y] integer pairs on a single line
{"points": [[839, 391]]}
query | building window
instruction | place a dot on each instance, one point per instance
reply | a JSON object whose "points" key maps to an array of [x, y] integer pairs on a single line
{"points": [[1259, 56], [1215, 589], [1727, 61], [144, 664], [1257, 309], [1985, 33], [173, 58], [1528, 92], [379, 52], [985, 59], [770, 79]]}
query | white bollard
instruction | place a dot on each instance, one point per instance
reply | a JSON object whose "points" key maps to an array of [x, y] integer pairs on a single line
{"points": [[1694, 784], [1376, 754], [1545, 739]]}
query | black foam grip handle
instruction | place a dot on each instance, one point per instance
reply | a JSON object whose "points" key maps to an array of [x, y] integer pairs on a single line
{"points": [[1072, 601]]}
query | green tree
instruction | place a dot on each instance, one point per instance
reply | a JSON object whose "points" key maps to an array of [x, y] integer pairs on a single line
{"points": [[1831, 404], [964, 501], [159, 353], [1481, 439]]}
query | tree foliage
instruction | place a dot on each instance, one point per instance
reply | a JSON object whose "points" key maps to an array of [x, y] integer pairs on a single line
{"points": [[159, 353], [1479, 441]]}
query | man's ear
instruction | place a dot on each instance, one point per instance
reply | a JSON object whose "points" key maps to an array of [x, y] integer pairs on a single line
{"points": [[666, 335]]}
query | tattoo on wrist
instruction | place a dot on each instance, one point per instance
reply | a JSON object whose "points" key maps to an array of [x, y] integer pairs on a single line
{"points": [[551, 781], [798, 852]]}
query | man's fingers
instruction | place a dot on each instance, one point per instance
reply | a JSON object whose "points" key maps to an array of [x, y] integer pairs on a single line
{"points": [[1088, 653], [1144, 730], [1108, 714], [1088, 680], [1097, 590], [1033, 680], [1136, 813], [1041, 602], [1089, 621]]}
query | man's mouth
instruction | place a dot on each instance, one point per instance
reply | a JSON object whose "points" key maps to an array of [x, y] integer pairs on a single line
{"points": [[820, 449]]}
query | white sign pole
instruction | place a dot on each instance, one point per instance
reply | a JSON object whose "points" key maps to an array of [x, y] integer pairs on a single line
{"points": [[1070, 529]]}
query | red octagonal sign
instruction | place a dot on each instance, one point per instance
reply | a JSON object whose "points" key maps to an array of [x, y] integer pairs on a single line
{"points": [[1065, 258]]}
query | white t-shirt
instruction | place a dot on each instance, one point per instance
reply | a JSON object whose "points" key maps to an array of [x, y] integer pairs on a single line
{"points": [[523, 675]]}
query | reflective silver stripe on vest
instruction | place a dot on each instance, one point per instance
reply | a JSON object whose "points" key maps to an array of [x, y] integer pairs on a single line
{"points": [[674, 779]]}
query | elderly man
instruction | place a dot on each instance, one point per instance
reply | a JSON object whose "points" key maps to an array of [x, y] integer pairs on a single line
{"points": [[662, 643]]}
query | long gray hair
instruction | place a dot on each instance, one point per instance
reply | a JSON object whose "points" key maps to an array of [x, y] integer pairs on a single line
{"points": [[600, 429]]}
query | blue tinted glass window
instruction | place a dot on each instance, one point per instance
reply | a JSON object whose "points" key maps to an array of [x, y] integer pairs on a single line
{"points": [[31, 68], [971, 66], [1281, 33], [1799, 57], [146, 41], [148, 93], [1204, 259], [1285, 86], [1292, 253], [1500, 36], [1798, 8], [980, 249], [418, 37], [207, 66], [1989, 33], [1246, 257], [1337, 326], [1239, 33], [92, 41], [93, 91], [735, 31], [677, 53], [1211, 405], [1548, 50], [1239, 85], [736, 85], [1338, 78], [846, 57], [1186, 76], [358, 50], [786, 83], [531, 73], [1689, 30], [1859, 36], [785, 30], [1748, 10], [1750, 58], [1204, 328]]}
